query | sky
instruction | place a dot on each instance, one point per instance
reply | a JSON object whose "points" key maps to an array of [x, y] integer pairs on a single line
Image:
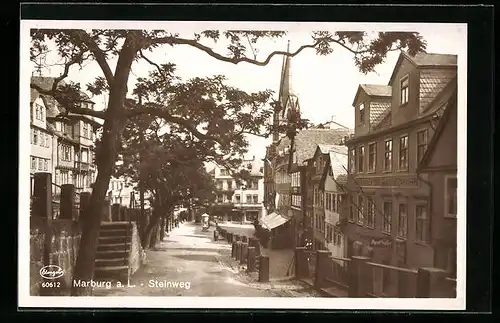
{"points": [[325, 85]]}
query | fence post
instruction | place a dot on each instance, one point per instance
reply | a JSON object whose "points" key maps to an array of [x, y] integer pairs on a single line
{"points": [[322, 259], [251, 259], [301, 266], [106, 210], [264, 269], [357, 284], [238, 250], [233, 249], [67, 201], [115, 212], [254, 242], [84, 202], [42, 195], [244, 253], [430, 283]]}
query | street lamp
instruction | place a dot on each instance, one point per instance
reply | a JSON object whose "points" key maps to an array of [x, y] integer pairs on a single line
{"points": [[242, 187]]}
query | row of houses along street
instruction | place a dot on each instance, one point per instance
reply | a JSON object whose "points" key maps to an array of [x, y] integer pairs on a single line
{"points": [[386, 189], [63, 145]]}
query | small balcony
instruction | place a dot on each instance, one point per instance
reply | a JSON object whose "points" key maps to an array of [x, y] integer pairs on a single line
{"points": [[82, 166]]}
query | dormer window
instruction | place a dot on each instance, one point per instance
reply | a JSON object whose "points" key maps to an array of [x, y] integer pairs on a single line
{"points": [[404, 90], [39, 112], [361, 113]]}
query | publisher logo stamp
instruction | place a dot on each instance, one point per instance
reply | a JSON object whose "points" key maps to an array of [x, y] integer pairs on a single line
{"points": [[51, 272]]}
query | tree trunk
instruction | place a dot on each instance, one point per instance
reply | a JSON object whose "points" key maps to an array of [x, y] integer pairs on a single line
{"points": [[113, 127], [162, 228], [155, 220]]}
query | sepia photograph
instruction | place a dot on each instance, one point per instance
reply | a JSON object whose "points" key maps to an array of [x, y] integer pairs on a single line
{"points": [[184, 164]]}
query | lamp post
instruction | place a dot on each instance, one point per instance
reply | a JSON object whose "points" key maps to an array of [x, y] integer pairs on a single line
{"points": [[243, 187]]}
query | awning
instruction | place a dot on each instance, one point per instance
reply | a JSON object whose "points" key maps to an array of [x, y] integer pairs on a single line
{"points": [[273, 220]]}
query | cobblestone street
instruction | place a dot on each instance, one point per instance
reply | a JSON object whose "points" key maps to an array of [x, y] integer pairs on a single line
{"points": [[190, 263]]}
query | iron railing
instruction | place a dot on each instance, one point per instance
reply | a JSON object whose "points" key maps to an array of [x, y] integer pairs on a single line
{"points": [[390, 281], [311, 262], [56, 200], [338, 273]]}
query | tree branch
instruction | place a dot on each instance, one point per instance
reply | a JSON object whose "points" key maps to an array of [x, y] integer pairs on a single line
{"points": [[78, 110], [99, 55], [154, 64], [162, 113], [234, 60]]}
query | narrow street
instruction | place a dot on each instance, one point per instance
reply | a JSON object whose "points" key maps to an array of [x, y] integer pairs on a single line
{"points": [[189, 263]]}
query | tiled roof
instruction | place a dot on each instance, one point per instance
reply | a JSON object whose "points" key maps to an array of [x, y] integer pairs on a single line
{"points": [[338, 162], [433, 59], [377, 111], [326, 148], [432, 82], [256, 164], [383, 120], [283, 143], [51, 103], [307, 140], [342, 178], [377, 89]]}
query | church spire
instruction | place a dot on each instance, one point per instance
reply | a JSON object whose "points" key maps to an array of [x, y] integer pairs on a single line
{"points": [[286, 78]]}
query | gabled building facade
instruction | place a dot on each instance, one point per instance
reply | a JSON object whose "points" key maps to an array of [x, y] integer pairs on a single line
{"points": [[41, 136], [240, 201], [332, 185], [439, 165], [72, 143], [387, 217]]}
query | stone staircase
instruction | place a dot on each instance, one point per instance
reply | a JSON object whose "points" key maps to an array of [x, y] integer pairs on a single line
{"points": [[113, 249]]}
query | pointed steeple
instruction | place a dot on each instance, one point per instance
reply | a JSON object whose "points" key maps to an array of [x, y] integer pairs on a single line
{"points": [[286, 78], [287, 97]]}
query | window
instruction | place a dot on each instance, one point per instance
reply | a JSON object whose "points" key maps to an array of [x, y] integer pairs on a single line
{"points": [[64, 177], [337, 236], [351, 210], [237, 198], [40, 164], [422, 223], [39, 113], [255, 199], [388, 155], [46, 165], [451, 196], [361, 158], [403, 153], [403, 221], [360, 210], [372, 156], [66, 153], [223, 172], [370, 215], [47, 141], [33, 163], [58, 126], [35, 137], [86, 132], [404, 90], [249, 199], [333, 206], [85, 156], [361, 113], [352, 161], [387, 220], [421, 144]]}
